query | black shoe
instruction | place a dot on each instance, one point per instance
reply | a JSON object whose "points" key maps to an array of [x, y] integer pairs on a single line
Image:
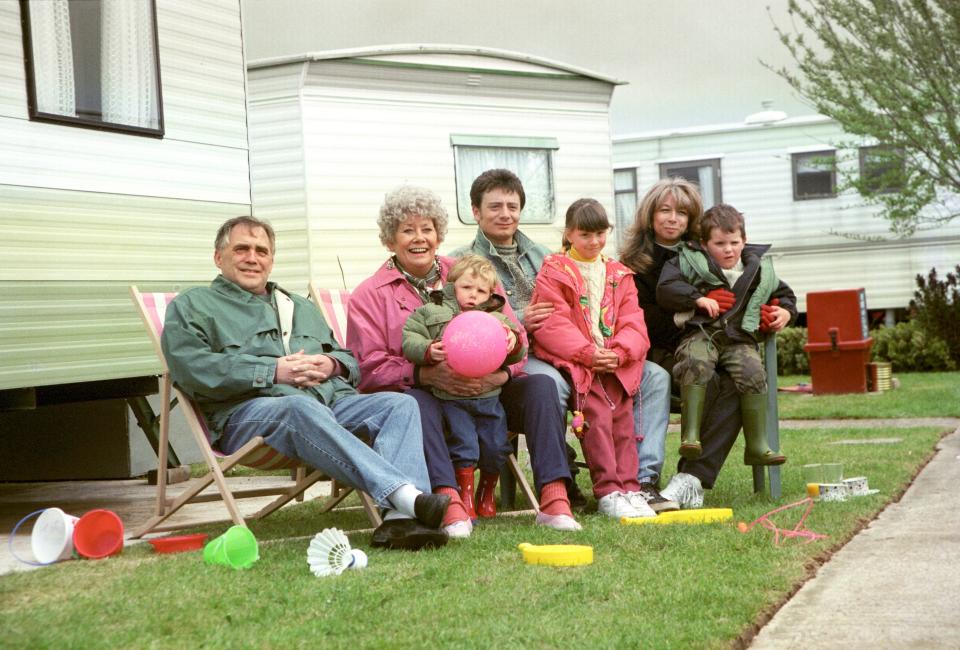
{"points": [[657, 502], [407, 534], [577, 500], [430, 509]]}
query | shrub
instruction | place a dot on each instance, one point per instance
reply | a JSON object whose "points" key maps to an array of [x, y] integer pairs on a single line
{"points": [[791, 359], [910, 347], [936, 306]]}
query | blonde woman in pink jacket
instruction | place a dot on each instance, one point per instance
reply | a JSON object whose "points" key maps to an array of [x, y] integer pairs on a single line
{"points": [[597, 337]]}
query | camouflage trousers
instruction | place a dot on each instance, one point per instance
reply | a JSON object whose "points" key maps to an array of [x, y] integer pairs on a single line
{"points": [[701, 352]]}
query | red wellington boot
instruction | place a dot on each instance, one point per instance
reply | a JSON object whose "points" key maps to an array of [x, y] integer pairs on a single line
{"points": [[486, 503], [465, 483]]}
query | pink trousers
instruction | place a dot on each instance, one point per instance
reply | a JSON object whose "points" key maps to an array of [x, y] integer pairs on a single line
{"points": [[610, 443]]}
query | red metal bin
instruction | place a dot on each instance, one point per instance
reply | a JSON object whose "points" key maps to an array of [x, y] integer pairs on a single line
{"points": [[837, 341]]}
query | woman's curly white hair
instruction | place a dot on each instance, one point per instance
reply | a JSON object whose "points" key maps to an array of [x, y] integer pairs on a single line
{"points": [[409, 201]]}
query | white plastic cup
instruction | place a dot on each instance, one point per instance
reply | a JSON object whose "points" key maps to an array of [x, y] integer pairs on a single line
{"points": [[52, 536]]}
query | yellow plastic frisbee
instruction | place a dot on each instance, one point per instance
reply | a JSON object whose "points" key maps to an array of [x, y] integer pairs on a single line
{"points": [[557, 554], [701, 516]]}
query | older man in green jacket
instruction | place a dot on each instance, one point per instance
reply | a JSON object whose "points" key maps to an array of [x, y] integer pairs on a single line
{"points": [[261, 362]]}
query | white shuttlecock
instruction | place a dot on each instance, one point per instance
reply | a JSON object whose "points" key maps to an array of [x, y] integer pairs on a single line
{"points": [[329, 553]]}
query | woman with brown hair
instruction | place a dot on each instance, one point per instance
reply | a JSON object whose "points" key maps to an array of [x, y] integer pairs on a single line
{"points": [[667, 216]]}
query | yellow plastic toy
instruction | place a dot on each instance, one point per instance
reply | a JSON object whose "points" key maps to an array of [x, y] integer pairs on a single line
{"points": [[557, 554], [701, 516]]}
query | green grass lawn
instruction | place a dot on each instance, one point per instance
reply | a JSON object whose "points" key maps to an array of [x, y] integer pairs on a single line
{"points": [[655, 586], [928, 394]]}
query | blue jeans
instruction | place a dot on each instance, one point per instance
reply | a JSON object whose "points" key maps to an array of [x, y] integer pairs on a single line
{"points": [[329, 438], [477, 433], [531, 407], [651, 412]]}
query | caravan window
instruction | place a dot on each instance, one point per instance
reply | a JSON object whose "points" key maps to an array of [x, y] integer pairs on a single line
{"points": [[93, 63], [814, 175], [881, 169], [705, 174], [531, 159], [625, 197]]}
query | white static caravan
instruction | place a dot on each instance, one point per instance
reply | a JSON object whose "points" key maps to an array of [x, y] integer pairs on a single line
{"points": [[116, 167], [778, 174], [332, 132]]}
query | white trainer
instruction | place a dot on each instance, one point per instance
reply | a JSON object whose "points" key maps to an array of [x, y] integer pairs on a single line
{"points": [[459, 529], [558, 522], [639, 503], [616, 505], [686, 490]]}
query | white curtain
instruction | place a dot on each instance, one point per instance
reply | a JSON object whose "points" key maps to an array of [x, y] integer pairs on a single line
{"points": [[128, 67], [532, 166], [624, 199], [53, 57], [708, 192]]}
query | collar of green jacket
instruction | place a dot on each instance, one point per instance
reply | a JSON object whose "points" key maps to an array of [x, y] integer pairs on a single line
{"points": [[698, 268], [483, 246], [225, 286]]}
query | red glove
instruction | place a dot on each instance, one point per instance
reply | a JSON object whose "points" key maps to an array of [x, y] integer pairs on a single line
{"points": [[768, 314], [724, 298]]}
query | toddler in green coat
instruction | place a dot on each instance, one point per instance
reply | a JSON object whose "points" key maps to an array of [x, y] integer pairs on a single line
{"points": [[477, 425]]}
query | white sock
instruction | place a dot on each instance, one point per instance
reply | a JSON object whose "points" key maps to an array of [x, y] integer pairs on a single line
{"points": [[394, 514], [403, 498]]}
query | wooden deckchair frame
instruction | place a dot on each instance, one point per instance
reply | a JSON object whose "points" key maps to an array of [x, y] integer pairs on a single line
{"points": [[333, 304], [254, 453]]}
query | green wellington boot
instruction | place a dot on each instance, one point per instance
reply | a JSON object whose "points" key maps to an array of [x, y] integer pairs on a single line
{"points": [[691, 414], [753, 408]]}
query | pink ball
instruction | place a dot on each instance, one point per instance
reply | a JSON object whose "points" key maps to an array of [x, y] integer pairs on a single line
{"points": [[476, 343]]}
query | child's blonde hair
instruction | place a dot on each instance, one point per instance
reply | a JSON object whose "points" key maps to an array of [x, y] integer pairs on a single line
{"points": [[479, 266]]}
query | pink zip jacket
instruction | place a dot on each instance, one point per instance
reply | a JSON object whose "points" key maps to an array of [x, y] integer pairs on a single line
{"points": [[565, 339], [376, 314]]}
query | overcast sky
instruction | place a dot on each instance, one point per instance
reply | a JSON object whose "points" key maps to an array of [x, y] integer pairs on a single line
{"points": [[688, 62]]}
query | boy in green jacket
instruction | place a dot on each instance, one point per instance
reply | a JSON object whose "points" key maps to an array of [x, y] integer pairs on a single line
{"points": [[730, 297], [478, 425]]}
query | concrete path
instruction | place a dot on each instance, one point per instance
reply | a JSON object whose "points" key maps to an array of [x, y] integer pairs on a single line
{"points": [[896, 584]]}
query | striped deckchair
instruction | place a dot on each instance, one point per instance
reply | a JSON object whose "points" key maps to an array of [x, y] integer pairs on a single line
{"points": [[333, 305], [255, 454]]}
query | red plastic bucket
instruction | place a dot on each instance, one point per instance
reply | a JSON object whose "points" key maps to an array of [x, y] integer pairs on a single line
{"points": [[98, 533]]}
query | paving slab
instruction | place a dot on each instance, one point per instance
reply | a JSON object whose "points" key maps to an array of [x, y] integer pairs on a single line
{"points": [[895, 584]]}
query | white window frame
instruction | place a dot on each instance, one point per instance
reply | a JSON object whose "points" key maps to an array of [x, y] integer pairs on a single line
{"points": [[795, 161], [865, 173], [624, 221], [538, 209], [715, 175]]}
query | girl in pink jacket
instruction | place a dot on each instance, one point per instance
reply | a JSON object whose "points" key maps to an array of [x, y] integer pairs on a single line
{"points": [[596, 335]]}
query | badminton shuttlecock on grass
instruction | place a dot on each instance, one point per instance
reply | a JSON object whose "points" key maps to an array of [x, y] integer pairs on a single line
{"points": [[330, 553]]}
